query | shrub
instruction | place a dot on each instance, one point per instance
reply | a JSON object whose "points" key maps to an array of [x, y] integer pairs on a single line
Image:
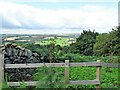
{"points": [[49, 78]]}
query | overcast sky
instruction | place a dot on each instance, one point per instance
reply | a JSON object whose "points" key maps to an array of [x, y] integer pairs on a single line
{"points": [[57, 16]]}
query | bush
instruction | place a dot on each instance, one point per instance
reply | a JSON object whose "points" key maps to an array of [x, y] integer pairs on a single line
{"points": [[49, 78]]}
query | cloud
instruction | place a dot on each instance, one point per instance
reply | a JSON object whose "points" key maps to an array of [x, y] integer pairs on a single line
{"points": [[54, 1], [22, 16]]}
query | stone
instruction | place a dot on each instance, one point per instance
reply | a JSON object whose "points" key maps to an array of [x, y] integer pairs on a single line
{"points": [[15, 55]]}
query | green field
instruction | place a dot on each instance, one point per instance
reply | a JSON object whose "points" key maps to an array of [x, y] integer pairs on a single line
{"points": [[58, 41], [40, 39]]}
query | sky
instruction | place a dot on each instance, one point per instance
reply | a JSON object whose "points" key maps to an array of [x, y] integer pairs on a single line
{"points": [[57, 16]]}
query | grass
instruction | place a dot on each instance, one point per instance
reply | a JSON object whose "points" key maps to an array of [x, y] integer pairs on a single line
{"points": [[58, 41], [108, 79]]}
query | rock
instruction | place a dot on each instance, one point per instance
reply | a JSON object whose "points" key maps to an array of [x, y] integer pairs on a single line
{"points": [[27, 53], [35, 55], [8, 51], [15, 55], [14, 51]]}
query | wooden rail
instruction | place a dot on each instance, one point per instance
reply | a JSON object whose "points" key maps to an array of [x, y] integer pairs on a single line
{"points": [[30, 83], [78, 82], [97, 64], [113, 65], [36, 65], [85, 82]]}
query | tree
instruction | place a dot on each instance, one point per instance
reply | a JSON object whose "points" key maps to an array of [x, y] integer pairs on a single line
{"points": [[84, 43], [114, 43], [108, 44], [101, 47]]}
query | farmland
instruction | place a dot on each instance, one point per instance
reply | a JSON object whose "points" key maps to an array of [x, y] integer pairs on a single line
{"points": [[59, 41], [62, 40]]}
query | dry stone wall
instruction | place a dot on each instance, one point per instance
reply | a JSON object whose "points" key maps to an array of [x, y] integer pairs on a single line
{"points": [[14, 54]]}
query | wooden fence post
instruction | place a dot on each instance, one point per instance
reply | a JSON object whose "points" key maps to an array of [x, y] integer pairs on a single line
{"points": [[66, 72], [1, 68], [98, 75]]}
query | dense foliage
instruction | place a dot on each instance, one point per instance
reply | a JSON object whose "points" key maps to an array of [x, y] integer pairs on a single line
{"points": [[84, 43], [93, 43], [49, 78], [45, 76], [108, 79], [108, 44]]}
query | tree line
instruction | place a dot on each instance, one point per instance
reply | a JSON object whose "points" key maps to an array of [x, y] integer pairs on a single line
{"points": [[89, 43], [100, 44]]}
